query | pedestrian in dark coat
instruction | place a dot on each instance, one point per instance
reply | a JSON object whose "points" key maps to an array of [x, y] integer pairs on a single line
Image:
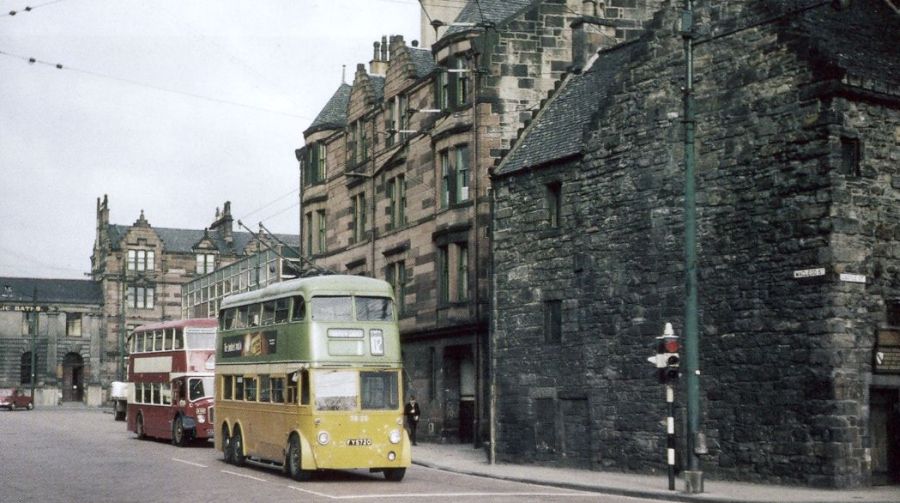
{"points": [[411, 411]]}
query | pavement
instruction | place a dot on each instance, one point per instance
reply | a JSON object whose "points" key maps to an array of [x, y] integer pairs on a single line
{"points": [[460, 458]]}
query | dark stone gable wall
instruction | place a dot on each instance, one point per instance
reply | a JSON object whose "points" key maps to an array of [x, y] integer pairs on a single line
{"points": [[785, 362]]}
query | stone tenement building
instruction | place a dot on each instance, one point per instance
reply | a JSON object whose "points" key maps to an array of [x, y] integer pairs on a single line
{"points": [[141, 270], [60, 321], [798, 215], [394, 178]]}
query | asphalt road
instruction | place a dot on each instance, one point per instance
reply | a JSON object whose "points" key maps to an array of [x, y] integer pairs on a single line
{"points": [[78, 455]]}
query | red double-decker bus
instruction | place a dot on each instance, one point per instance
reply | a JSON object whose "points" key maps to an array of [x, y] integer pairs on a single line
{"points": [[170, 380]]}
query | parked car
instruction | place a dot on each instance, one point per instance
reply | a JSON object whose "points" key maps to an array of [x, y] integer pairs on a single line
{"points": [[14, 398]]}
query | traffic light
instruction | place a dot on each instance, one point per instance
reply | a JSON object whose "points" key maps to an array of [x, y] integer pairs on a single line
{"points": [[667, 358]]}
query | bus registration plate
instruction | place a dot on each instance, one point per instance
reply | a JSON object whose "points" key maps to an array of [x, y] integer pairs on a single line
{"points": [[359, 441]]}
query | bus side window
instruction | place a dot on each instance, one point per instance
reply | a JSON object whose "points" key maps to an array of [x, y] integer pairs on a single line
{"points": [[226, 319], [268, 313], [282, 310], [304, 388], [299, 309], [254, 315], [227, 387], [158, 336], [278, 390], [243, 317], [238, 388], [179, 339], [264, 383], [292, 387], [139, 342], [166, 394], [250, 389], [170, 336]]}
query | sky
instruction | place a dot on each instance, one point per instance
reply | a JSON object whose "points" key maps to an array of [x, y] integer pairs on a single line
{"points": [[169, 106]]}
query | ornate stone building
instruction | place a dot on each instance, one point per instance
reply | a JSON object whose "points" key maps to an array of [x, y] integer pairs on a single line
{"points": [[59, 321], [141, 270], [395, 186], [798, 215]]}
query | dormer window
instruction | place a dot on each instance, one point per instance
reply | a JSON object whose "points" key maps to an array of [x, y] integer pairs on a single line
{"points": [[453, 84], [357, 143], [396, 120], [206, 263]]}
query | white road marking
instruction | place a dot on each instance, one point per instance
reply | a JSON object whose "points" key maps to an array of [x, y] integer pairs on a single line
{"points": [[251, 477], [449, 495], [189, 462]]}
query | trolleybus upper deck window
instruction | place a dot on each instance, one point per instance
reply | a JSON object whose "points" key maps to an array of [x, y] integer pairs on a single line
{"points": [[332, 308]]}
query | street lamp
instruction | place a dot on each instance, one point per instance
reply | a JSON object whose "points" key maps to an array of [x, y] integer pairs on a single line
{"points": [[34, 330], [696, 440]]}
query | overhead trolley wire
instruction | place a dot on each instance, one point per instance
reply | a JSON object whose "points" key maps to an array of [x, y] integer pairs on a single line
{"points": [[60, 66], [29, 8]]}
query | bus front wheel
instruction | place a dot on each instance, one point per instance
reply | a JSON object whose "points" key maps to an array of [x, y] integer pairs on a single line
{"points": [[178, 432], [293, 464], [394, 474], [226, 446]]}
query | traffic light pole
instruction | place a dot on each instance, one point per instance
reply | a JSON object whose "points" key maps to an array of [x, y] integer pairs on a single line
{"points": [[670, 434]]}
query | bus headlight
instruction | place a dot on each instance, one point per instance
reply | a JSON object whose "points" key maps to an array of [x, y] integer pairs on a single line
{"points": [[392, 456], [324, 437], [395, 436], [201, 419]]}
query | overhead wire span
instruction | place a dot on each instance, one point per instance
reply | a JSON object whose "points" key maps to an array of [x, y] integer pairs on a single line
{"points": [[272, 202], [60, 66], [29, 8]]}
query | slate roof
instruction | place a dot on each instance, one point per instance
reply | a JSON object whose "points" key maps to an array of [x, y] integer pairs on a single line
{"points": [[183, 240], [334, 114], [492, 11], [862, 42], [558, 131], [423, 60], [378, 86], [50, 291]]}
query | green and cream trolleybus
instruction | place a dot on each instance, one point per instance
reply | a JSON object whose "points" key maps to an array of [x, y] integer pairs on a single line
{"points": [[308, 374]]}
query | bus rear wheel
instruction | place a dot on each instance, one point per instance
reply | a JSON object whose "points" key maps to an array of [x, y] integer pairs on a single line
{"points": [[178, 432], [394, 474], [237, 448], [293, 464]]}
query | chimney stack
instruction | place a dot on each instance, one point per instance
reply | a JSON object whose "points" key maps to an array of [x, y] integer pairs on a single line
{"points": [[379, 63]]}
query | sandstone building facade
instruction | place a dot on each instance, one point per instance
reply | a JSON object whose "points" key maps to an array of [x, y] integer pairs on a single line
{"points": [[141, 270], [394, 176]]}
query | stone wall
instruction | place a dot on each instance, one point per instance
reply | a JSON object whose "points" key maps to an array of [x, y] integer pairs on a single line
{"points": [[785, 361]]}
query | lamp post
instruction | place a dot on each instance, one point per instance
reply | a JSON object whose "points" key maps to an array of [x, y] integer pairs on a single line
{"points": [[34, 330], [696, 440], [693, 475]]}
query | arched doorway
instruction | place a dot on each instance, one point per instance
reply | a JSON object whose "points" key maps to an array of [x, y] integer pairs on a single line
{"points": [[73, 378]]}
